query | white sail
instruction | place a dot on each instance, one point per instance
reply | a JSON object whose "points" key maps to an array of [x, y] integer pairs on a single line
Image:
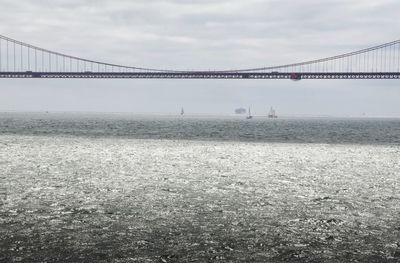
{"points": [[249, 116]]}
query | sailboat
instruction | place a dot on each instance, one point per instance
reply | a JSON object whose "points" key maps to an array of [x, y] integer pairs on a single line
{"points": [[249, 117], [182, 112], [272, 114]]}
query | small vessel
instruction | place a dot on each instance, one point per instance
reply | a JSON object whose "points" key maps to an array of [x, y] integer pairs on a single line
{"points": [[249, 117], [240, 111], [182, 112], [272, 114]]}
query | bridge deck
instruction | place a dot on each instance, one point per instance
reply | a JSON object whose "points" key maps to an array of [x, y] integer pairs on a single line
{"points": [[199, 75]]}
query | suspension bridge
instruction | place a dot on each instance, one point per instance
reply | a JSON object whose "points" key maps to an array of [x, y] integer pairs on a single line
{"points": [[22, 60]]}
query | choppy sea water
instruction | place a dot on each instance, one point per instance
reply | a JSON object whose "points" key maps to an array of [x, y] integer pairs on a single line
{"points": [[122, 188], [286, 130]]}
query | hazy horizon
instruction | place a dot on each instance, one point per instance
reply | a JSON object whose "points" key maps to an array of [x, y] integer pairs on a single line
{"points": [[260, 114]]}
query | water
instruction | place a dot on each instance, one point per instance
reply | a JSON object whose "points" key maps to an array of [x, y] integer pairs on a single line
{"points": [[122, 188], [311, 130]]}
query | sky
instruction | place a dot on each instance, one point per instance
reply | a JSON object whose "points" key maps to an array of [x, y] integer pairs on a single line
{"points": [[202, 35]]}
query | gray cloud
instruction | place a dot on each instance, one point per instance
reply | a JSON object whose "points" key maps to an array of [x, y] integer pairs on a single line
{"points": [[203, 34]]}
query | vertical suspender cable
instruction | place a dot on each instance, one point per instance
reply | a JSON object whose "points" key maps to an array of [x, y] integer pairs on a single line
{"points": [[398, 58], [14, 64], [22, 55], [390, 59], [365, 62], [8, 63], [393, 58], [385, 58], [29, 58], [0, 56]]}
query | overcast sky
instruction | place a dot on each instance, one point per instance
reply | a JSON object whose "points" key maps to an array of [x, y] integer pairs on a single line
{"points": [[202, 34]]}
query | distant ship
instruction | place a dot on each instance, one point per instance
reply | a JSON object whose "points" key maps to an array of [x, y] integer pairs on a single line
{"points": [[272, 114], [240, 111], [182, 112], [249, 116]]}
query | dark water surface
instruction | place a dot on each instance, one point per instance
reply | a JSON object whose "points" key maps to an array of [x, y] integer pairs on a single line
{"points": [[237, 128]]}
